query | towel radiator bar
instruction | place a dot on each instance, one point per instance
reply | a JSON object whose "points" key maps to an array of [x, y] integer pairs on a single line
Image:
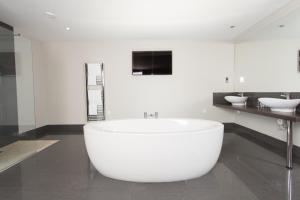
{"points": [[99, 86]]}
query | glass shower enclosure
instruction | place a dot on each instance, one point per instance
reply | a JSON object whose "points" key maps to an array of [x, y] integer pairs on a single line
{"points": [[16, 85]]}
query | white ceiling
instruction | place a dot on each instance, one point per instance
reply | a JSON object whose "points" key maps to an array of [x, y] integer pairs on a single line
{"points": [[283, 24], [135, 19]]}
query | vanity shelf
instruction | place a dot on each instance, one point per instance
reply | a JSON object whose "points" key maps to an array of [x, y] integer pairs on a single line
{"points": [[294, 117], [219, 101]]}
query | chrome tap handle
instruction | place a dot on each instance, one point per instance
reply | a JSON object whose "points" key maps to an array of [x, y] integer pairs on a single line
{"points": [[287, 95], [156, 115]]}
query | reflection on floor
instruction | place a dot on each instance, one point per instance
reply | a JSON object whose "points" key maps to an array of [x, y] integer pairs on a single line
{"points": [[245, 171], [20, 150]]}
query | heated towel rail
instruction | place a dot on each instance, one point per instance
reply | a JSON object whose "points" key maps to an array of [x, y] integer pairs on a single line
{"points": [[95, 95]]}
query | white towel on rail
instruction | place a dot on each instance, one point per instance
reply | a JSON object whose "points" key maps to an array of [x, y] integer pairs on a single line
{"points": [[91, 80], [94, 97], [94, 70], [93, 109]]}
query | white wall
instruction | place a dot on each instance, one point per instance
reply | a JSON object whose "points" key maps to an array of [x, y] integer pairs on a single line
{"points": [[40, 84], [199, 69], [268, 66]]}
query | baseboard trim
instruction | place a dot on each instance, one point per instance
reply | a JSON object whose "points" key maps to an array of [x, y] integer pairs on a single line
{"points": [[33, 134], [61, 129], [229, 127], [272, 144], [65, 129]]}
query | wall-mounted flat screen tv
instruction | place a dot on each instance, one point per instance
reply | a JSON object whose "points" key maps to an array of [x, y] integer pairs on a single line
{"points": [[152, 62]]}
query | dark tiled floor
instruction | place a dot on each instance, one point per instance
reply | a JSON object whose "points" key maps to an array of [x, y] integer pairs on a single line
{"points": [[245, 171]]}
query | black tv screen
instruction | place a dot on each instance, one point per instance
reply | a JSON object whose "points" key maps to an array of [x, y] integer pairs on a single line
{"points": [[152, 62]]}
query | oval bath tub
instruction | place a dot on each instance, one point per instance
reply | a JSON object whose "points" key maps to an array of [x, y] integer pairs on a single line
{"points": [[154, 150]]}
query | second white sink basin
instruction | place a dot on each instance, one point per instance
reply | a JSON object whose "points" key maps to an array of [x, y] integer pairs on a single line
{"points": [[236, 100], [280, 105]]}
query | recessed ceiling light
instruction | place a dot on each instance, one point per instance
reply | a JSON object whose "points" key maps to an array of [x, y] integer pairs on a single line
{"points": [[50, 14], [281, 26], [68, 28], [232, 27]]}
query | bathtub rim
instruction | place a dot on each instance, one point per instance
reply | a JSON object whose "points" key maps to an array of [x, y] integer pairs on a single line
{"points": [[218, 126]]}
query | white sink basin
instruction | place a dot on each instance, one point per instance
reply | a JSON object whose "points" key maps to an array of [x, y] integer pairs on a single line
{"points": [[280, 105], [236, 100]]}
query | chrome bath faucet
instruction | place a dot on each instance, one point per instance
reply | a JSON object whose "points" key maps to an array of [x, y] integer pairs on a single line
{"points": [[241, 94], [287, 95], [151, 115]]}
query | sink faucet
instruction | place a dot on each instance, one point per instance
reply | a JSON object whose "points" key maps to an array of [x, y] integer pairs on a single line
{"points": [[241, 94], [151, 115], [286, 95]]}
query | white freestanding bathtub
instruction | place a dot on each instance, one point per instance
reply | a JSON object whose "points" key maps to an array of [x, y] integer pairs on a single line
{"points": [[154, 150]]}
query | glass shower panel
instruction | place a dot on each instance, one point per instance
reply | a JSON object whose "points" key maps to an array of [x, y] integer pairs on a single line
{"points": [[25, 87], [8, 94]]}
